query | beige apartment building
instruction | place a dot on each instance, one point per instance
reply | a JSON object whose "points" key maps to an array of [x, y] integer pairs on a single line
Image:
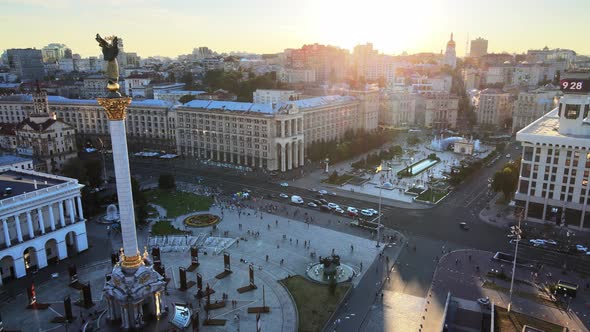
{"points": [[266, 136], [255, 135], [493, 108], [531, 105], [440, 110]]}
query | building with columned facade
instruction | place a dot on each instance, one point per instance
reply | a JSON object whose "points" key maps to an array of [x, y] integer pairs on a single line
{"points": [[555, 165], [256, 135], [42, 221], [194, 129]]}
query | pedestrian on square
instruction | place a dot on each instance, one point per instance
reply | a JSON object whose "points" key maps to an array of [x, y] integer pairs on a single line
{"points": [[361, 266]]}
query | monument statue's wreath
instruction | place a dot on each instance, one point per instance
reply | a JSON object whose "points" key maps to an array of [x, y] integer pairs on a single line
{"points": [[202, 220]]}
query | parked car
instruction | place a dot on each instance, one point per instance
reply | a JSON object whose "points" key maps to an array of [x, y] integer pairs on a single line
{"points": [[366, 213], [508, 156], [580, 247], [283, 195], [284, 184], [324, 208], [323, 201], [464, 226], [333, 205], [323, 192], [352, 211], [537, 242], [312, 204], [331, 193], [373, 211], [296, 199], [339, 210], [313, 190]]}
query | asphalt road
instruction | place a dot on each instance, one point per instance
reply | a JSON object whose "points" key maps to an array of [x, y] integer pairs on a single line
{"points": [[440, 223]]}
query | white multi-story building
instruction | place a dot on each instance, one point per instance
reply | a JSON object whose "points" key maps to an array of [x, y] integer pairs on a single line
{"points": [[94, 86], [398, 109], [42, 221], [532, 105], [493, 107], [255, 135], [472, 78], [15, 162], [555, 167], [296, 75], [264, 96], [51, 141], [441, 111], [8, 136], [175, 95], [157, 124], [150, 123]]}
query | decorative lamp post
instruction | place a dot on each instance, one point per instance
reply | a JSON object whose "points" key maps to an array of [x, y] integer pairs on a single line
{"points": [[517, 232]]}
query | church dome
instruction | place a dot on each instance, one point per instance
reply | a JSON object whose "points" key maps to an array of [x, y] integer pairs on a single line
{"points": [[451, 42]]}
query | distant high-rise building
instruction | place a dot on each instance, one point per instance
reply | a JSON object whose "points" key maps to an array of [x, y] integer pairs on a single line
{"points": [[450, 54], [329, 62], [26, 63], [202, 52], [54, 52], [479, 47]]}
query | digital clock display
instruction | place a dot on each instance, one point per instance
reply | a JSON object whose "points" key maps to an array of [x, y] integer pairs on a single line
{"points": [[572, 85]]}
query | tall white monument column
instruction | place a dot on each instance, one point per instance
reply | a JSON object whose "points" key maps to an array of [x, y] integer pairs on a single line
{"points": [[134, 281], [116, 112]]}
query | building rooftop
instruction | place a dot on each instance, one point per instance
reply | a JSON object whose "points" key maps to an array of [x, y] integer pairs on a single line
{"points": [[548, 126], [323, 101], [180, 92], [230, 106], [11, 159], [63, 100], [25, 182]]}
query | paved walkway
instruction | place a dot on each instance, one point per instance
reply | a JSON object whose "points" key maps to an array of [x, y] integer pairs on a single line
{"points": [[352, 316], [456, 272]]}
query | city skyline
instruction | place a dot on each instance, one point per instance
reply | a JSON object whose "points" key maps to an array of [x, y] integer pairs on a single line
{"points": [[151, 27]]}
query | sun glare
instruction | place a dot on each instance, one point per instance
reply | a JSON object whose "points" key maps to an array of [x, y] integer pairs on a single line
{"points": [[392, 26]]}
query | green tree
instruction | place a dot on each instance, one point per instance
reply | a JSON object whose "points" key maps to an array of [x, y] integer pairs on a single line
{"points": [[93, 169], [188, 79], [333, 177], [166, 181], [186, 98], [75, 169], [413, 140], [138, 195], [506, 180]]}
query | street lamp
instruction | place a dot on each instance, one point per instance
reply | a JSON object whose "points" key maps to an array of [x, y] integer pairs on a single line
{"points": [[104, 166], [379, 217], [516, 231]]}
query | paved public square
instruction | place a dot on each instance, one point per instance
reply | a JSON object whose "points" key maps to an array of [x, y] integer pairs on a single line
{"points": [[279, 237]]}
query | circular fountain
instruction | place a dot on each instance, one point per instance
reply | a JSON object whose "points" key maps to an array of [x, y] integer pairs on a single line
{"points": [[111, 216], [328, 269]]}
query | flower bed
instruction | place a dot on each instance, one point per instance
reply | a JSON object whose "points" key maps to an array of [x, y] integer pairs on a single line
{"points": [[201, 220]]}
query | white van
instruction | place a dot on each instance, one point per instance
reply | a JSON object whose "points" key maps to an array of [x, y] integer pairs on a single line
{"points": [[296, 199]]}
